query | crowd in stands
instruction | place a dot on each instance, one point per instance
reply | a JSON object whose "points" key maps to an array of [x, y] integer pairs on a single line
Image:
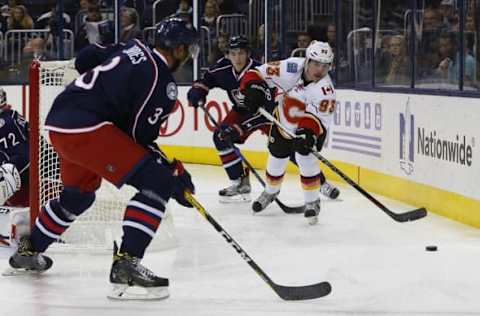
{"points": [[92, 21]]}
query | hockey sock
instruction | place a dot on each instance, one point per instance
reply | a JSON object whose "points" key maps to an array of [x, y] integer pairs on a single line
{"points": [[275, 172], [232, 163], [140, 222], [309, 176], [52, 221]]}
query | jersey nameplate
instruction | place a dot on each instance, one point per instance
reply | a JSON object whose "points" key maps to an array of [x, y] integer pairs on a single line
{"points": [[135, 54]]}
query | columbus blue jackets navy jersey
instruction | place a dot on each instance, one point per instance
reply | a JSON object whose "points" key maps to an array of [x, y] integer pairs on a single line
{"points": [[14, 141], [222, 75], [130, 87]]}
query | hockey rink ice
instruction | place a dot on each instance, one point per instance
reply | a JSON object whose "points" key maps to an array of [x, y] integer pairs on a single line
{"points": [[376, 266]]}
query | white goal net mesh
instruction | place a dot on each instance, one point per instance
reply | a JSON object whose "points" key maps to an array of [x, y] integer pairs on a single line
{"points": [[100, 224]]}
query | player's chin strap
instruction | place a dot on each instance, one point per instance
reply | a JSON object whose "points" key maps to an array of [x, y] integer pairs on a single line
{"points": [[399, 217], [289, 293]]}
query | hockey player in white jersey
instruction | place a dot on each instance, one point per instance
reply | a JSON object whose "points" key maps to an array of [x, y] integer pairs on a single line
{"points": [[306, 104]]}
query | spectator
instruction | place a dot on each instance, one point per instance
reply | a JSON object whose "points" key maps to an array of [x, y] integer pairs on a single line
{"points": [[448, 69], [331, 34], [219, 49], [394, 68], [259, 49], [35, 49], [49, 20], [210, 15], [303, 39], [447, 12], [19, 19], [94, 30], [432, 20], [130, 26], [184, 7]]}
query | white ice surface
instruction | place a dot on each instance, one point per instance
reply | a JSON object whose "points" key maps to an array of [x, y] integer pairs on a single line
{"points": [[375, 265]]}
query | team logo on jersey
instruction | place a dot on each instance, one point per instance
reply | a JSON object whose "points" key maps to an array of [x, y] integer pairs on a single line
{"points": [[292, 68], [172, 91], [2, 122]]}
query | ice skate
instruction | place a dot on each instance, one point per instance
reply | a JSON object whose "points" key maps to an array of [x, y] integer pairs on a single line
{"points": [[329, 190], [27, 261], [263, 201], [311, 211], [239, 191], [132, 281]]}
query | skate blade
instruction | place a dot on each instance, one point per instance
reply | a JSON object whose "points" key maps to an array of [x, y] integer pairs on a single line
{"points": [[9, 272], [240, 198], [125, 292], [312, 220]]}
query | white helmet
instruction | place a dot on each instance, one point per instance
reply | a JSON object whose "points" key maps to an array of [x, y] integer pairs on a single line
{"points": [[319, 51]]}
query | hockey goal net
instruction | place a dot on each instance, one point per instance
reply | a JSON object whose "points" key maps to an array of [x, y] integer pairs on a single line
{"points": [[100, 225]]}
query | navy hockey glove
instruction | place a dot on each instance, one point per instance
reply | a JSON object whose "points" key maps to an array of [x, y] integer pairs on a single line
{"points": [[197, 96], [256, 94], [304, 141], [183, 183], [231, 133]]}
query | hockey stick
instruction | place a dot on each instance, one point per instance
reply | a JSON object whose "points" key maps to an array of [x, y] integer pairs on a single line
{"points": [[399, 217], [287, 209], [288, 293]]}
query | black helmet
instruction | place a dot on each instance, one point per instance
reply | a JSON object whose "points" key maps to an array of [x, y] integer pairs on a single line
{"points": [[172, 32], [238, 41]]}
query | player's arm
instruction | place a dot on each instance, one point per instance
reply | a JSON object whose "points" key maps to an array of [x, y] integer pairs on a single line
{"points": [[94, 55], [197, 95], [255, 89]]}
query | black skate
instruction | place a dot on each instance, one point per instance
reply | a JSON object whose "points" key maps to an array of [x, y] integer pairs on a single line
{"points": [[27, 261], [329, 190], [312, 209], [239, 191], [263, 201], [132, 281]]}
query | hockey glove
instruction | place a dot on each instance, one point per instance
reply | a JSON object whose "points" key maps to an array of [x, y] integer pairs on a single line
{"points": [[304, 141], [197, 96], [183, 183], [257, 94], [231, 133]]}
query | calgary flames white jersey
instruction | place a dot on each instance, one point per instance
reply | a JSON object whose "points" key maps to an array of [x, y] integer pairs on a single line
{"points": [[316, 100]]}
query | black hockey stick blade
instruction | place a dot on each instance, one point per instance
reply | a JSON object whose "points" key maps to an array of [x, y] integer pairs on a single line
{"points": [[291, 209], [300, 293], [289, 293], [409, 216]]}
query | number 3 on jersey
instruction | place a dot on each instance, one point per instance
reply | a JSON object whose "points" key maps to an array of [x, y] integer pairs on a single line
{"points": [[80, 81]]}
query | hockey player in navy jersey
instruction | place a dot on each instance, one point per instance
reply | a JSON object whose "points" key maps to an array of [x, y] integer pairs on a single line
{"points": [[103, 125], [14, 160], [239, 124]]}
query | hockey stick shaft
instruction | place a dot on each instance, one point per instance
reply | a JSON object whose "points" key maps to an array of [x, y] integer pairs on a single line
{"points": [[285, 208], [402, 217], [290, 293]]}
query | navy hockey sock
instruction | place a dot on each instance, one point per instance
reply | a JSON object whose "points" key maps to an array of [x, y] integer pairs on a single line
{"points": [[50, 224], [140, 222]]}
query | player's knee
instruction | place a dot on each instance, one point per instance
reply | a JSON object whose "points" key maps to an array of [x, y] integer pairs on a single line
{"points": [[75, 201], [153, 179], [220, 144]]}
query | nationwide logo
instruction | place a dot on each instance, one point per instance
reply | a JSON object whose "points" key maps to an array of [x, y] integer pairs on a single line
{"points": [[431, 144], [407, 147]]}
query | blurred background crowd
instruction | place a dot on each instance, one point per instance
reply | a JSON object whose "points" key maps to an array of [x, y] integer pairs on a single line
{"points": [[425, 44]]}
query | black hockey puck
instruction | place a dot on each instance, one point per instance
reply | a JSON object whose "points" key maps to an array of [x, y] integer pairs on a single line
{"points": [[431, 248]]}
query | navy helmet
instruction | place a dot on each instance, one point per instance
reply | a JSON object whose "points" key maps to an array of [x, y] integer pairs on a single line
{"points": [[238, 41], [173, 31]]}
